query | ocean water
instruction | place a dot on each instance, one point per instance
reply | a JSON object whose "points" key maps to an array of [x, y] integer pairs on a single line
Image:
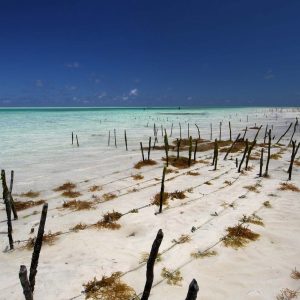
{"points": [[36, 142]]}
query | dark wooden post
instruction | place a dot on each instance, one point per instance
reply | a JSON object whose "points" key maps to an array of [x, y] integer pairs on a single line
{"points": [[220, 135], [295, 127], [162, 130], [266, 133], [150, 264], [261, 162], [249, 153], [72, 138], [6, 199], [294, 153], [193, 290], [166, 149], [77, 140], [180, 131], [230, 132], [231, 147], [125, 135], [216, 152], [243, 138], [255, 138], [171, 130], [25, 283], [108, 143], [37, 247], [149, 148], [244, 155], [162, 190], [284, 133], [178, 147], [190, 150], [269, 154], [115, 135], [236, 162], [198, 132], [11, 199], [142, 150], [195, 150]]}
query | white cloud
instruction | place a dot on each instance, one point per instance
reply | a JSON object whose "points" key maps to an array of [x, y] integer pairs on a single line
{"points": [[39, 83], [269, 75], [73, 65], [134, 92]]}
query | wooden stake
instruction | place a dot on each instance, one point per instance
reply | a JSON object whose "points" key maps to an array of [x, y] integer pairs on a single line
{"points": [[150, 264], [149, 148], [171, 130], [220, 135], [11, 199], [77, 140], [72, 143], [255, 138], [166, 149], [295, 127], [178, 147], [193, 290], [142, 150], [266, 133], [216, 152], [245, 133], [25, 283], [162, 190], [198, 132], [179, 131], [115, 135], [230, 131], [284, 133], [37, 247], [294, 153], [125, 140], [190, 150], [6, 199], [261, 162], [232, 145], [269, 154], [249, 154], [244, 155]]}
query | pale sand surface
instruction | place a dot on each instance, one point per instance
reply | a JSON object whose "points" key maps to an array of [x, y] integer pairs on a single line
{"points": [[257, 271]]}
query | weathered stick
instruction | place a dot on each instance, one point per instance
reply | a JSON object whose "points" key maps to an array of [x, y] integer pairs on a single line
{"points": [[6, 199], [166, 149], [77, 140], [37, 247], [125, 136], [249, 154], [25, 283], [261, 161], [180, 131], [198, 132], [142, 150], [230, 132], [244, 155], [295, 127], [284, 133], [266, 133], [220, 135], [216, 152], [171, 130], [193, 290], [115, 135], [162, 189], [294, 153], [178, 147], [195, 150], [243, 138], [269, 154], [236, 162], [190, 150], [149, 148], [11, 199], [255, 138], [231, 147], [150, 264]]}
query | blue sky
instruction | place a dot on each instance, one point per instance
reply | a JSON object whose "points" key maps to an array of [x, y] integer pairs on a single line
{"points": [[149, 53]]}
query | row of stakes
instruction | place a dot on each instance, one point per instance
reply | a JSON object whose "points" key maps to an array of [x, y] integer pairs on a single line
{"points": [[28, 283]]}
